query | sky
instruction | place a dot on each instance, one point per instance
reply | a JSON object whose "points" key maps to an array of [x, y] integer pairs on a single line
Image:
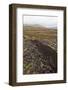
{"points": [[46, 21]]}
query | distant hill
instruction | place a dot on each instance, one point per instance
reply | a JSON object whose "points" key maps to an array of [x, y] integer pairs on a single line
{"points": [[36, 27]]}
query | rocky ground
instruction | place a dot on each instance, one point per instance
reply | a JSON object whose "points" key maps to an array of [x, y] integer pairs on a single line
{"points": [[39, 57]]}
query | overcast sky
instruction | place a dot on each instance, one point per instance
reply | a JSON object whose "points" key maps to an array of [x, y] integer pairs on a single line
{"points": [[46, 21]]}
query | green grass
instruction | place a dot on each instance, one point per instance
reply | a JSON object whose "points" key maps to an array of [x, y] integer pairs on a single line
{"points": [[41, 34]]}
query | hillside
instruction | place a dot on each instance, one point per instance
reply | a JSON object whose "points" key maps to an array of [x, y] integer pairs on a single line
{"points": [[45, 35], [40, 50]]}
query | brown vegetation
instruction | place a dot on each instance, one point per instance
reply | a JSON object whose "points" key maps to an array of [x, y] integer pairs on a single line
{"points": [[40, 50]]}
